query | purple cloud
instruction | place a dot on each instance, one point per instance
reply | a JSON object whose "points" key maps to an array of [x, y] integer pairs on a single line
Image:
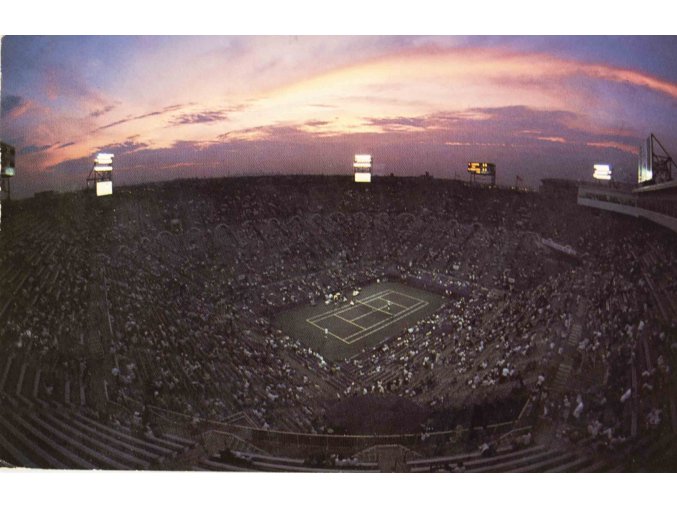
{"points": [[9, 103], [27, 150], [123, 147], [102, 111], [141, 116], [203, 117]]}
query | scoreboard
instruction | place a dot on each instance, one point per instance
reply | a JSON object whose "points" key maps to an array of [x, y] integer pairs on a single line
{"points": [[482, 168]]}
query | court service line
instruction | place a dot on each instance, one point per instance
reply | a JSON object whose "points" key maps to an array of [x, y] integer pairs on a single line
{"points": [[328, 332], [369, 331], [319, 316], [381, 309], [349, 321], [378, 327]]}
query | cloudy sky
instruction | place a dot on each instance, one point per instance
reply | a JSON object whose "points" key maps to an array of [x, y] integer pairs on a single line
{"points": [[172, 107]]}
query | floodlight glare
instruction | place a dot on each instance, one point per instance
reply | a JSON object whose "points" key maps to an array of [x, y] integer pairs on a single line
{"points": [[102, 174], [362, 163], [104, 188], [104, 159], [602, 172]]}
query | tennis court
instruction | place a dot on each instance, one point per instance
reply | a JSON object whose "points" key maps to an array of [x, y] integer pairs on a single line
{"points": [[339, 330]]}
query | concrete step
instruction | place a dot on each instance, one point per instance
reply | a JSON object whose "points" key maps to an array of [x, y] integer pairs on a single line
{"points": [[36, 382], [5, 372], [20, 382], [29, 445]]}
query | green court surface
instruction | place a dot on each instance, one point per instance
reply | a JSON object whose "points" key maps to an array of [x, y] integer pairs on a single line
{"points": [[341, 330]]}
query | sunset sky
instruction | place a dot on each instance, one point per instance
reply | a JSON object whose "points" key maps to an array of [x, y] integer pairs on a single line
{"points": [[171, 107]]}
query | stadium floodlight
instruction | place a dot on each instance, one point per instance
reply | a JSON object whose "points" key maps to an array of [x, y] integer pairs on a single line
{"points": [[104, 159], [362, 162], [104, 188], [362, 166], [7, 160], [645, 162], [602, 172], [101, 174], [656, 165], [362, 177]]}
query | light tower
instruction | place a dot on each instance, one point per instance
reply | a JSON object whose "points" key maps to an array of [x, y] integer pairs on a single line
{"points": [[602, 172], [655, 163], [7, 169], [102, 174], [362, 168]]}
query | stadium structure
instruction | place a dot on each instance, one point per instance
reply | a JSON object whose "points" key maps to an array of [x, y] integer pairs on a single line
{"points": [[101, 175], [654, 198], [309, 323]]}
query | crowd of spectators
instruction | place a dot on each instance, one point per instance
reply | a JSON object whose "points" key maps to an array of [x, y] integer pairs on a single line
{"points": [[178, 283]]}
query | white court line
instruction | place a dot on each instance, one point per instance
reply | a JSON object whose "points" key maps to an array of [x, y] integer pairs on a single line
{"points": [[350, 321], [394, 303], [328, 332], [390, 315], [347, 306], [373, 311], [359, 335], [373, 308], [405, 296], [381, 309], [386, 324], [337, 315], [383, 312], [364, 332]]}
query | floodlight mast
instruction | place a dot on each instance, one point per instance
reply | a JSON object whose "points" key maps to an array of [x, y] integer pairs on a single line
{"points": [[101, 174], [362, 166], [7, 169], [662, 163], [602, 172], [655, 163]]}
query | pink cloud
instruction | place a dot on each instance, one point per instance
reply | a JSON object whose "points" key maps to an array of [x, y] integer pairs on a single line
{"points": [[612, 144]]}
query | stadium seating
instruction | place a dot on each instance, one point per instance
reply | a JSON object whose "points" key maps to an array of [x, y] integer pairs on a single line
{"points": [[164, 303]]}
